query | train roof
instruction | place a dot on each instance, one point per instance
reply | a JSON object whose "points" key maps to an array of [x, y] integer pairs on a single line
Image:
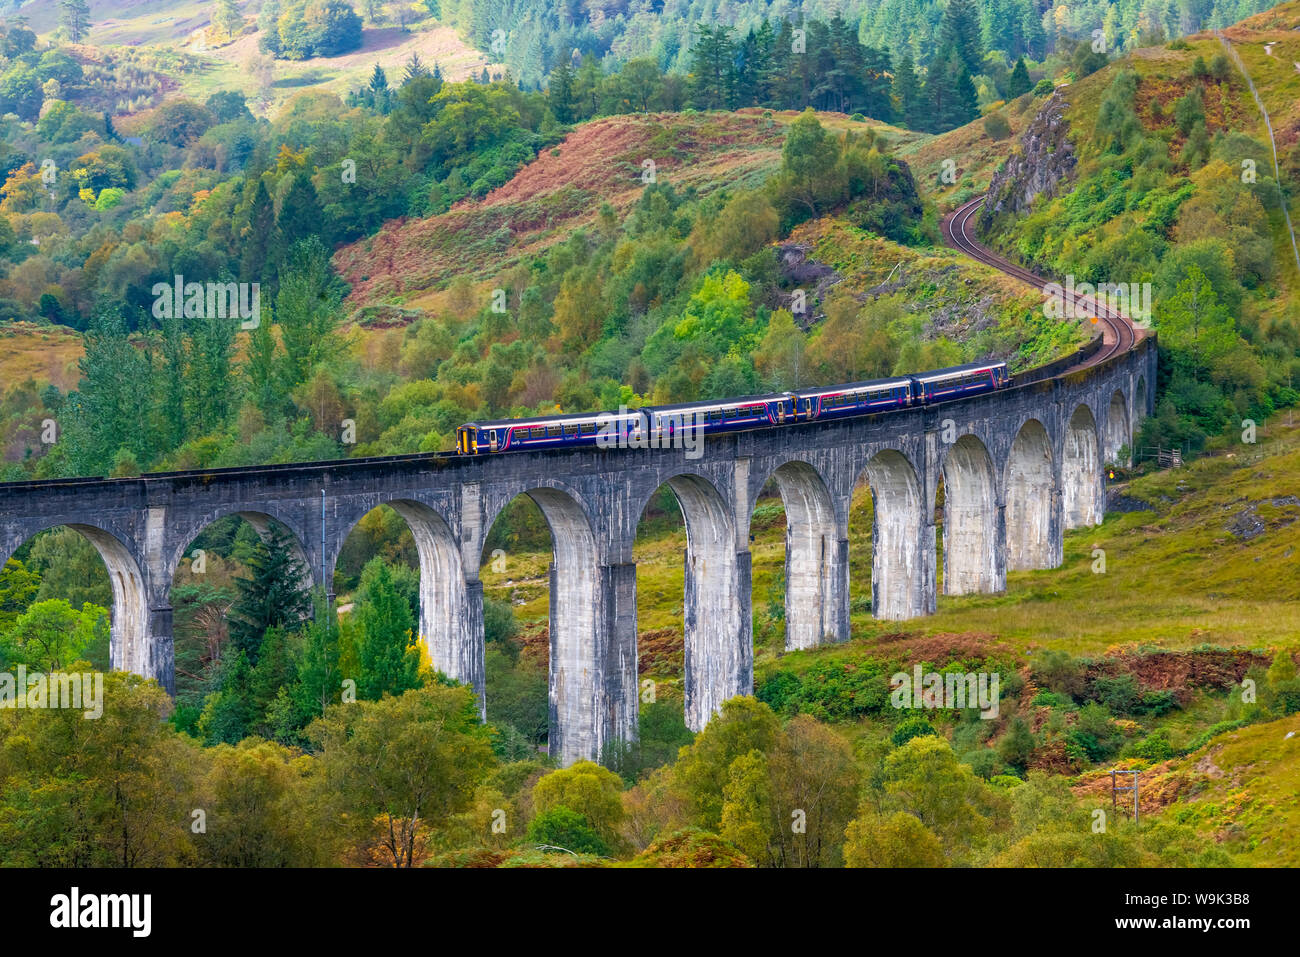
{"points": [[560, 418], [957, 370], [709, 404], [853, 386]]}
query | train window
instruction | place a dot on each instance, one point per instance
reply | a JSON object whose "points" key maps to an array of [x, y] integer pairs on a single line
{"points": [[553, 430], [538, 433], [588, 428], [728, 413]]}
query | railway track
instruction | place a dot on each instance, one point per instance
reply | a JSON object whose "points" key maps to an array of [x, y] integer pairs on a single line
{"points": [[1118, 332]]}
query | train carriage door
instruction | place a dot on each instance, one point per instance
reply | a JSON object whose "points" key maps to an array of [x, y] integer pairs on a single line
{"points": [[492, 440]]}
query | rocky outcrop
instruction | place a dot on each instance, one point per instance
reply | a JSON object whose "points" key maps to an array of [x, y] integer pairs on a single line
{"points": [[1043, 160], [814, 279]]}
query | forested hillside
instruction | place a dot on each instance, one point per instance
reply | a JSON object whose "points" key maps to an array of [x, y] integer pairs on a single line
{"points": [[538, 33], [669, 275], [1166, 177]]}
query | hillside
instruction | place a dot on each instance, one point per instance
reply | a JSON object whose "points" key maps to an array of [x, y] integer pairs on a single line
{"points": [[216, 62], [1155, 174], [411, 263], [562, 190]]}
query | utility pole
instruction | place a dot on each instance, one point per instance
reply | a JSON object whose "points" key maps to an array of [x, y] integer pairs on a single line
{"points": [[1116, 788]]}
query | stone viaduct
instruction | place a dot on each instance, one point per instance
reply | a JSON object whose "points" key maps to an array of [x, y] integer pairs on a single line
{"points": [[1018, 468]]}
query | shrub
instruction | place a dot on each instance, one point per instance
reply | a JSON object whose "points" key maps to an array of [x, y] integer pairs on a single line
{"points": [[1094, 737], [984, 762], [1060, 673], [1120, 694], [1006, 781], [910, 728], [1154, 747], [560, 827], [1016, 747], [996, 126], [1158, 702]]}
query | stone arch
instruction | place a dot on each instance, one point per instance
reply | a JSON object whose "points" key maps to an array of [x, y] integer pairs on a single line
{"points": [[131, 647], [1081, 501], [1033, 540], [182, 540], [575, 628], [898, 572], [443, 626], [971, 546], [261, 522], [1117, 427], [719, 650], [815, 571]]}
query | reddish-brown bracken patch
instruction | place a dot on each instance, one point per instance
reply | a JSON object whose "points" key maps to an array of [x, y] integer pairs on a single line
{"points": [[1158, 787], [1052, 757], [660, 652], [561, 190], [944, 647], [1181, 672]]}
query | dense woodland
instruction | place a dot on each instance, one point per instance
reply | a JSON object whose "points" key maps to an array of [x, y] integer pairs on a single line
{"points": [[539, 33]]}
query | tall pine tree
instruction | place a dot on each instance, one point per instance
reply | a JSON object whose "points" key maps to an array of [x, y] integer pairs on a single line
{"points": [[272, 595], [908, 97], [960, 29], [388, 656]]}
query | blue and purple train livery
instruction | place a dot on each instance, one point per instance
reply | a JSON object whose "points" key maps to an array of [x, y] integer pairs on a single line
{"points": [[653, 425]]}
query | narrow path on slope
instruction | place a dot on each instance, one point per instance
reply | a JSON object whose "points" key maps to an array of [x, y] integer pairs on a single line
{"points": [[1277, 171]]}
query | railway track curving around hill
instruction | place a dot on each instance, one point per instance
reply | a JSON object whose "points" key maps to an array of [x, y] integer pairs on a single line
{"points": [[1119, 334]]}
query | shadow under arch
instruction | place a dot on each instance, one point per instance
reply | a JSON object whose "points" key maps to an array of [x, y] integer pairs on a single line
{"points": [[1031, 501], [970, 528], [1117, 427], [261, 522], [1081, 501], [130, 646], [444, 628]]}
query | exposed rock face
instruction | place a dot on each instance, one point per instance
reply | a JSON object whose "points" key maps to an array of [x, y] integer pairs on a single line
{"points": [[814, 278], [1043, 159]]}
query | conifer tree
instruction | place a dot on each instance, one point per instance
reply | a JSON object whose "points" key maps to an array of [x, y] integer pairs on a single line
{"points": [[272, 594], [388, 656], [960, 29], [561, 93], [75, 17], [907, 93], [1018, 83]]}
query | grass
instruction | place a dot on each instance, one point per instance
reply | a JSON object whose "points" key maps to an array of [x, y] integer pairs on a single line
{"points": [[1243, 787], [43, 354], [972, 153]]}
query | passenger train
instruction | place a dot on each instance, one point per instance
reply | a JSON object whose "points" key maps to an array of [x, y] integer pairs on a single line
{"points": [[654, 425]]}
